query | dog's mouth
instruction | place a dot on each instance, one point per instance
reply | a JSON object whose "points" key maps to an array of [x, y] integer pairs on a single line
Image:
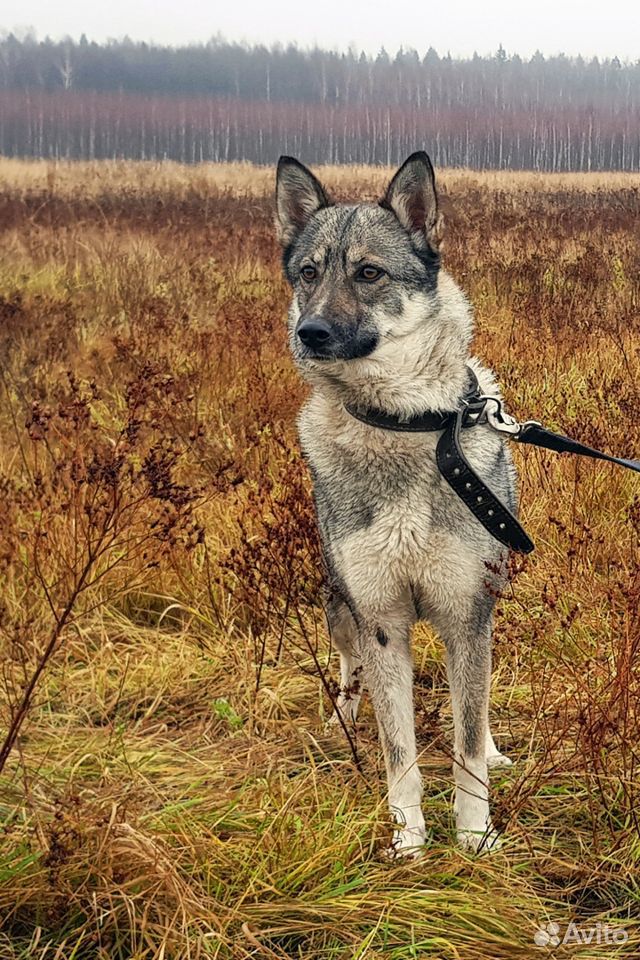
{"points": [[321, 354]]}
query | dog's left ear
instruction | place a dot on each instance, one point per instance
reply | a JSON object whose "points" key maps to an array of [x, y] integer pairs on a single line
{"points": [[412, 196], [299, 195]]}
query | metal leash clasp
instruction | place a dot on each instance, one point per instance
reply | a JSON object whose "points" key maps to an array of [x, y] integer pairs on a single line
{"points": [[503, 422]]}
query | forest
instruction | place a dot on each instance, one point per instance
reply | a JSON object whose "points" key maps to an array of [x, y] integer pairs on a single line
{"points": [[222, 102]]}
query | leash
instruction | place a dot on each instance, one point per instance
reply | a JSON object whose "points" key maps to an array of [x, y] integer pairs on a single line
{"points": [[478, 408]]}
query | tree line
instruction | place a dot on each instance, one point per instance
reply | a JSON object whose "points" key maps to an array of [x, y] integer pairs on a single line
{"points": [[226, 101]]}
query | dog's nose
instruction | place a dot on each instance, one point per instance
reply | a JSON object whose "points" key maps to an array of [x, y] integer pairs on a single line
{"points": [[314, 333]]}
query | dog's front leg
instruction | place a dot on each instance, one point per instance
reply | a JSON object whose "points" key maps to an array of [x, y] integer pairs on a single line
{"points": [[388, 675], [468, 643]]}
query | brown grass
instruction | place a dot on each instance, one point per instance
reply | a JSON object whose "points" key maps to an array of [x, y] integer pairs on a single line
{"points": [[169, 791], [92, 179]]}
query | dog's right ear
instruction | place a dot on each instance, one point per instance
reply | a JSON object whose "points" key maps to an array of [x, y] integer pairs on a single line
{"points": [[412, 196], [298, 196]]}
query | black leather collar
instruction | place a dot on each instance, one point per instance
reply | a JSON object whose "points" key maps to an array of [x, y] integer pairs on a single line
{"points": [[428, 422]]}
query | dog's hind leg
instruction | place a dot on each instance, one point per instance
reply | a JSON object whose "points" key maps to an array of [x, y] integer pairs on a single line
{"points": [[344, 635], [495, 759], [467, 638], [388, 674]]}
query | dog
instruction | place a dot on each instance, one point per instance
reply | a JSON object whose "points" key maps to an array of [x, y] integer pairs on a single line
{"points": [[375, 323]]}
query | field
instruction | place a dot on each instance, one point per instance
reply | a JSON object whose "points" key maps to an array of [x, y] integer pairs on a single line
{"points": [[167, 786]]}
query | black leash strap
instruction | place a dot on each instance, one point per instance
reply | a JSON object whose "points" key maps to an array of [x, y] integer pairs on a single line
{"points": [[540, 437], [484, 505]]}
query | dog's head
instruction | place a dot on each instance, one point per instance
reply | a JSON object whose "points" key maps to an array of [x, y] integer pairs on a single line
{"points": [[363, 275]]}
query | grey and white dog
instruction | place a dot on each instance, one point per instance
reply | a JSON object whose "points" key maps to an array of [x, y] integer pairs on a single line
{"points": [[376, 323]]}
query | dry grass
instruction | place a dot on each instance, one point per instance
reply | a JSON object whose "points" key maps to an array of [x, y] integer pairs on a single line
{"points": [[92, 179], [171, 791]]}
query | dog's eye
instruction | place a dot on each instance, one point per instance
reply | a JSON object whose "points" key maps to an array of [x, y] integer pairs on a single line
{"points": [[308, 273], [369, 274]]}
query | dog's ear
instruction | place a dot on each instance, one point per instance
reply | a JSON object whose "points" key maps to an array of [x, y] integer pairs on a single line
{"points": [[412, 196], [298, 196]]}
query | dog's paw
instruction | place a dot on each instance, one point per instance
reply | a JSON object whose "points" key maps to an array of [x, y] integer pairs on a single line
{"points": [[406, 845], [498, 760], [479, 841], [336, 724]]}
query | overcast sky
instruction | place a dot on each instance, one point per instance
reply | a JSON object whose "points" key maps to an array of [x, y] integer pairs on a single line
{"points": [[458, 26]]}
